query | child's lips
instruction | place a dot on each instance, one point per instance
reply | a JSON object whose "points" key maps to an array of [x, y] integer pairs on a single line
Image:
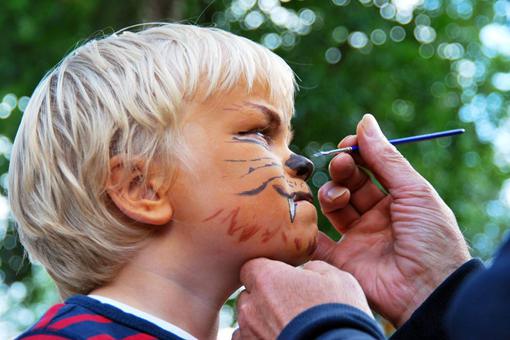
{"points": [[296, 196]]}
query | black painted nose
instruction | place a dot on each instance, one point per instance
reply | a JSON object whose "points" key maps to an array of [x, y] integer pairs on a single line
{"points": [[302, 166]]}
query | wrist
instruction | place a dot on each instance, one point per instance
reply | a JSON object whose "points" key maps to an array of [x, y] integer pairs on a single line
{"points": [[424, 287]]}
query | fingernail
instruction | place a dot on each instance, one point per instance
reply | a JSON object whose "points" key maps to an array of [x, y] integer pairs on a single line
{"points": [[370, 126], [335, 192]]}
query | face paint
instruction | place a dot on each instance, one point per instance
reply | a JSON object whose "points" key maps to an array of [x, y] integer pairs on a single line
{"points": [[301, 165], [297, 243], [252, 169], [248, 140], [246, 160], [244, 193], [213, 215], [291, 199], [260, 188]]}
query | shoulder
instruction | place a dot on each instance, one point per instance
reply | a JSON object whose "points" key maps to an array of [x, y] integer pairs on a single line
{"points": [[52, 324], [73, 321]]}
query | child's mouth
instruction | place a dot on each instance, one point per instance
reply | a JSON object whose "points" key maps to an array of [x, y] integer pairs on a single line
{"points": [[293, 198]]}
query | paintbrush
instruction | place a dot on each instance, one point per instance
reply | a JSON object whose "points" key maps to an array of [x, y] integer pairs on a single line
{"points": [[397, 141]]}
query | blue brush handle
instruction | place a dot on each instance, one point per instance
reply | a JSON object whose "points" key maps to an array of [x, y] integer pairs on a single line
{"points": [[397, 141], [419, 138]]}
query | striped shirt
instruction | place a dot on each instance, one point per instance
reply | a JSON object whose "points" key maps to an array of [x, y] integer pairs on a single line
{"points": [[82, 317]]}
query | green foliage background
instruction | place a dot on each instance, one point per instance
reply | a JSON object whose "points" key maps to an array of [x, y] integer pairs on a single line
{"points": [[439, 76]]}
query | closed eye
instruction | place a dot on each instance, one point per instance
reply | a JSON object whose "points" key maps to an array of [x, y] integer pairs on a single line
{"points": [[261, 134]]}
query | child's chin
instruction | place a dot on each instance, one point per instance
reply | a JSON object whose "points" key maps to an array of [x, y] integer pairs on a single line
{"points": [[298, 255], [299, 259]]}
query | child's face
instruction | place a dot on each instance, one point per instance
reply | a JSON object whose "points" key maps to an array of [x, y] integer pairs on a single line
{"points": [[246, 193]]}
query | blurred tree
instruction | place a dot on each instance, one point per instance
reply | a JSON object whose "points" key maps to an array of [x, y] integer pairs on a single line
{"points": [[418, 65]]}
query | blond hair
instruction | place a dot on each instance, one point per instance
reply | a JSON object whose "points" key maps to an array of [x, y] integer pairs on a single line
{"points": [[121, 94]]}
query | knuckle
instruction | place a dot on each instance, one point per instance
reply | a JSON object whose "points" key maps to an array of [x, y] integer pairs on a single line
{"points": [[310, 265], [391, 156], [242, 309], [348, 277]]}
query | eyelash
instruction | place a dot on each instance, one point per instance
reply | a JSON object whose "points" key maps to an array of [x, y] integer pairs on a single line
{"points": [[260, 132]]}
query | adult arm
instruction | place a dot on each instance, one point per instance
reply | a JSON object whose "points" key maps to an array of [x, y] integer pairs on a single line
{"points": [[480, 309], [427, 322]]}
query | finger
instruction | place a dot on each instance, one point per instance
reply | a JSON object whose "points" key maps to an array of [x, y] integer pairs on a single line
{"points": [[344, 219], [334, 202], [249, 272], [325, 247], [382, 158], [320, 267], [333, 197], [242, 303], [338, 211], [350, 141], [364, 193], [245, 316], [256, 269], [242, 310]]}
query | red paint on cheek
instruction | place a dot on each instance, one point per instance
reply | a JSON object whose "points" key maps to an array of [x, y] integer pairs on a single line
{"points": [[312, 245], [248, 232], [284, 237], [233, 221], [213, 215], [297, 242], [269, 234]]}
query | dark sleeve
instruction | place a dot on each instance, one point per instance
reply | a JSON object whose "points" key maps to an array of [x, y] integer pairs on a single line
{"points": [[427, 321], [332, 321], [481, 309]]}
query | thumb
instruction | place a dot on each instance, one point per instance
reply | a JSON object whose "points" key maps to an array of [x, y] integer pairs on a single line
{"points": [[382, 158], [325, 247]]}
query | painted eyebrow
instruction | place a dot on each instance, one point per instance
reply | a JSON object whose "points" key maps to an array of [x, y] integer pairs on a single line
{"points": [[272, 117]]}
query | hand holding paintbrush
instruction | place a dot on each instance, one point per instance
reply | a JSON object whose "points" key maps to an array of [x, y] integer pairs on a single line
{"points": [[400, 244]]}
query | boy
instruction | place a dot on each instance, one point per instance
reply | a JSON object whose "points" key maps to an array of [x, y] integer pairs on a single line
{"points": [[147, 169]]}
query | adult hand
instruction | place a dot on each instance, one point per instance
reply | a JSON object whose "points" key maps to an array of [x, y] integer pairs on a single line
{"points": [[276, 293], [400, 246]]}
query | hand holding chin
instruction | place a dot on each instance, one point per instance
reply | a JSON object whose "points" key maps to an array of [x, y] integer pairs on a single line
{"points": [[276, 293]]}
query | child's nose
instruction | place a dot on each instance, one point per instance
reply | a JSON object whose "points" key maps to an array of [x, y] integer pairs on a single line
{"points": [[302, 166]]}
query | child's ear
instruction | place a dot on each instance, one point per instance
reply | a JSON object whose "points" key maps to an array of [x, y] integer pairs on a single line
{"points": [[144, 200]]}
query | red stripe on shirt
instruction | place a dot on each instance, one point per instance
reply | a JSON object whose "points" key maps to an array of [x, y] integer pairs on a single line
{"points": [[140, 336], [48, 316], [43, 337], [76, 319], [101, 337]]}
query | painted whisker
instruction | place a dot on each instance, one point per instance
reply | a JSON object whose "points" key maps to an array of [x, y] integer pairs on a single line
{"points": [[260, 188], [247, 160], [248, 140], [251, 170]]}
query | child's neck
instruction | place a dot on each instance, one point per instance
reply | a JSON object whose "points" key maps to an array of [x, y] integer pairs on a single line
{"points": [[178, 282]]}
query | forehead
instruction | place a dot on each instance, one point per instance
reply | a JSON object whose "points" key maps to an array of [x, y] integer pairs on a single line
{"points": [[253, 104]]}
